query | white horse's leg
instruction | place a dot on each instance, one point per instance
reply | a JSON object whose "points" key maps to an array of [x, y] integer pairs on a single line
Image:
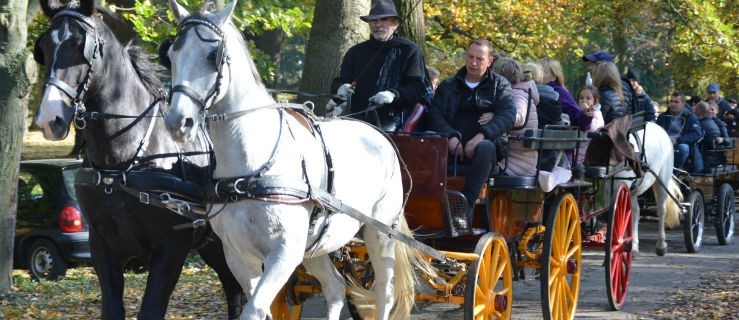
{"points": [[635, 214], [332, 283], [381, 250], [245, 267], [283, 245], [660, 197]]}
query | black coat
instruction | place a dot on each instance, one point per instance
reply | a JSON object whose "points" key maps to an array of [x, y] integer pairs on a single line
{"points": [[611, 105], [362, 64], [493, 94]]}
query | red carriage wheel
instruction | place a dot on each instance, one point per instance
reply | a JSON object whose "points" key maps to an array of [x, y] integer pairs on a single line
{"points": [[618, 248]]}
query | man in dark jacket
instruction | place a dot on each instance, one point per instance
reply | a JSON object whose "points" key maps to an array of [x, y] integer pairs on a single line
{"points": [[386, 72], [684, 131], [457, 108], [630, 98]]}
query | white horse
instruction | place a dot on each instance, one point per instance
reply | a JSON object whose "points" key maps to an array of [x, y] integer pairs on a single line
{"points": [[658, 161], [258, 143]]}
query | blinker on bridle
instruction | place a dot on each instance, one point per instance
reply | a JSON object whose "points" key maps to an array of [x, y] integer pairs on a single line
{"points": [[221, 59], [93, 50]]}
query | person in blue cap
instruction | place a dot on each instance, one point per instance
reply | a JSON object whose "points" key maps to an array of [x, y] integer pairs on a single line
{"points": [[725, 112], [387, 72], [630, 98]]}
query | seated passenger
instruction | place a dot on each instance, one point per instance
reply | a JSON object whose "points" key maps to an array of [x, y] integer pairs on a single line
{"points": [[684, 130], [548, 110], [711, 138], [589, 99], [520, 161], [722, 127], [459, 103]]}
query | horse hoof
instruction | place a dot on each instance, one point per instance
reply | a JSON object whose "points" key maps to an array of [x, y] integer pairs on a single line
{"points": [[661, 252]]}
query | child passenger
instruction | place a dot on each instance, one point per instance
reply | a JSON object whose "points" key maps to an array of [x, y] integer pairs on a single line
{"points": [[588, 101]]}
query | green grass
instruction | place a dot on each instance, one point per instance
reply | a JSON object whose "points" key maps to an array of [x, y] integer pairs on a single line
{"points": [[36, 147]]}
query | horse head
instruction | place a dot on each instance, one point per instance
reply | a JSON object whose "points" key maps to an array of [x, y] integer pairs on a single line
{"points": [[207, 58], [199, 78], [69, 51]]}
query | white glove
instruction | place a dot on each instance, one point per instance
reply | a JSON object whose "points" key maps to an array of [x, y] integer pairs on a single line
{"points": [[382, 98], [345, 91]]}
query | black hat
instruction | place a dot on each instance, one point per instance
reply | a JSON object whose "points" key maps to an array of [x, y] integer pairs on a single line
{"points": [[381, 9], [633, 74]]}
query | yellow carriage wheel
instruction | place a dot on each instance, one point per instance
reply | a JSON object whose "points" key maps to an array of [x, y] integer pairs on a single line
{"points": [[561, 259], [489, 287]]}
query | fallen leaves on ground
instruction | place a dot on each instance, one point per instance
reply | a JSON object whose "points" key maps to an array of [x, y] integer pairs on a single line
{"points": [[717, 297], [198, 295]]}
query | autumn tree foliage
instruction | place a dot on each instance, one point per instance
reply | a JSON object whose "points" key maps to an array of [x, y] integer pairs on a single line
{"points": [[676, 44]]}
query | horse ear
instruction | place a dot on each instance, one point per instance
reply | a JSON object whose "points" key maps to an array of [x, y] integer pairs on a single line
{"points": [[179, 12], [222, 16], [49, 7], [87, 7]]}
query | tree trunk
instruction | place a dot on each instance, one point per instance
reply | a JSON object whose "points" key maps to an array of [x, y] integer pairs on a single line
{"points": [[413, 26], [336, 27], [17, 69]]}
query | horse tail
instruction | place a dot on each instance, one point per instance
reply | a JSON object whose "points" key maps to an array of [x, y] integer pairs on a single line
{"points": [[407, 259], [674, 211]]}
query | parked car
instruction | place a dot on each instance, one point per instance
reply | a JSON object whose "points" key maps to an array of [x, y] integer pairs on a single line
{"points": [[51, 233]]}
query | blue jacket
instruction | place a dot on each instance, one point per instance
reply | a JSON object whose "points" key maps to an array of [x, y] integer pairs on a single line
{"points": [[645, 104], [691, 130]]}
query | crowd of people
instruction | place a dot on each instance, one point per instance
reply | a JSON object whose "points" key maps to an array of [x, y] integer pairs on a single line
{"points": [[385, 81]]}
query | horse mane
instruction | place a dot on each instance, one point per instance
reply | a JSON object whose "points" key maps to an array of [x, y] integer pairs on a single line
{"points": [[147, 71]]}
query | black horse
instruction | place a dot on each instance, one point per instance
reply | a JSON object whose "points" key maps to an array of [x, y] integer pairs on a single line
{"points": [[133, 173]]}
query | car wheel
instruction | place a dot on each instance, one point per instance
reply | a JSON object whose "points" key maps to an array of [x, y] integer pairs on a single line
{"points": [[45, 261]]}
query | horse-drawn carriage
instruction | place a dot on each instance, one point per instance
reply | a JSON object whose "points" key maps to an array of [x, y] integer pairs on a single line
{"points": [[514, 226], [710, 198]]}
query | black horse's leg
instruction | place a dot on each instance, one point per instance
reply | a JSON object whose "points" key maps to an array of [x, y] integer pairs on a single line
{"points": [[212, 254], [165, 268], [110, 276]]}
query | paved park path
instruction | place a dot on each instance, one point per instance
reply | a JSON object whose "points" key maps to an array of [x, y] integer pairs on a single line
{"points": [[657, 283]]}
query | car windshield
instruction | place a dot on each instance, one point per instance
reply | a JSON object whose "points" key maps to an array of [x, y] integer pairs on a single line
{"points": [[69, 181]]}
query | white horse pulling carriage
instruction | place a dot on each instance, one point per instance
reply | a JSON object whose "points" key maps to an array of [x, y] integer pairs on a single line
{"points": [[291, 190]]}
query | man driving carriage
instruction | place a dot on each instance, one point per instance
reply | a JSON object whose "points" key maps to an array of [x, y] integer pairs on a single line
{"points": [[684, 129], [387, 71], [457, 112]]}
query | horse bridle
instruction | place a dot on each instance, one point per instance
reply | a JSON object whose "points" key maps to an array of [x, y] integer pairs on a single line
{"points": [[222, 58], [93, 50]]}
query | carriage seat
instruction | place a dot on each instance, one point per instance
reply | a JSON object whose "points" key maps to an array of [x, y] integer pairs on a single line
{"points": [[555, 138]]}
